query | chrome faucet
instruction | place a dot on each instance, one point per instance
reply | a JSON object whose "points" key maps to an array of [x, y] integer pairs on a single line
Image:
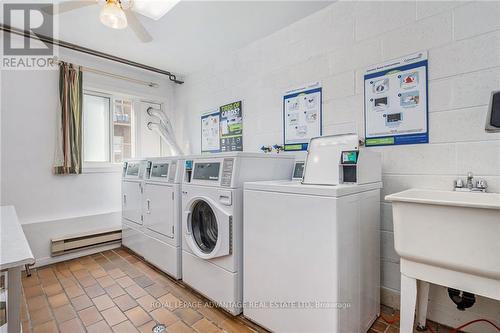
{"points": [[470, 185]]}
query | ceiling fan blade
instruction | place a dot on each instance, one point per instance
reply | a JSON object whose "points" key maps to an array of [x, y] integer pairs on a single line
{"points": [[137, 27], [67, 6]]}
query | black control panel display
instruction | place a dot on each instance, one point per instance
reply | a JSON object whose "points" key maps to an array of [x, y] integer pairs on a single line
{"points": [[206, 171], [159, 170]]}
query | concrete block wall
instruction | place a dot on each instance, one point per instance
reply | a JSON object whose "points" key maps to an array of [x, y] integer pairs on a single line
{"points": [[334, 46]]}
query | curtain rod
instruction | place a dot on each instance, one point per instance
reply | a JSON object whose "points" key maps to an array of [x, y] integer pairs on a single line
{"points": [[85, 50], [116, 76]]}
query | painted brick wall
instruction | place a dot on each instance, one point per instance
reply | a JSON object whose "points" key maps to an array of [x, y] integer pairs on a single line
{"points": [[334, 46]]}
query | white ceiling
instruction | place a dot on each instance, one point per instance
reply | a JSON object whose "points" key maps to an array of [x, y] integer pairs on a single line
{"points": [[189, 36]]}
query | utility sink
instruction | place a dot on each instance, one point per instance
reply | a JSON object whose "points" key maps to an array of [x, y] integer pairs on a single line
{"points": [[454, 230], [447, 238]]}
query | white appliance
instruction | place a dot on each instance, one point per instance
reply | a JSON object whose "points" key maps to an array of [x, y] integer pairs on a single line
{"points": [[152, 211], [132, 187], [311, 252], [212, 201], [162, 215]]}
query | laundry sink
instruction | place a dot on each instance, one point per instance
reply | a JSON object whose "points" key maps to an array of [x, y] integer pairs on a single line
{"points": [[459, 231]]}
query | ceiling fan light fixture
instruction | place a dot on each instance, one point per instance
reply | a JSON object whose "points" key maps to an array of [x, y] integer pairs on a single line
{"points": [[113, 16]]}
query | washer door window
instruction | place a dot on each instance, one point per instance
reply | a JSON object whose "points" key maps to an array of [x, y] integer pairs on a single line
{"points": [[208, 228], [204, 227]]}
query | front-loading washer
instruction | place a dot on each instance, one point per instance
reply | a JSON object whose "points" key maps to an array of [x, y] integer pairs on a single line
{"points": [[212, 222]]}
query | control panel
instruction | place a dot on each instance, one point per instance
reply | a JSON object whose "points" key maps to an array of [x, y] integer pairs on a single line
{"points": [[227, 172], [298, 170]]}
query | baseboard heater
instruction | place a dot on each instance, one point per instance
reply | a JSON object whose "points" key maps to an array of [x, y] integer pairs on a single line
{"points": [[78, 242]]}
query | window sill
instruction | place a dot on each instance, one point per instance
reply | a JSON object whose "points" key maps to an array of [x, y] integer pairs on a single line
{"points": [[102, 168]]}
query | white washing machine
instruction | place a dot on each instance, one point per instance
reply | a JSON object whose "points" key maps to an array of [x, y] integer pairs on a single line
{"points": [[161, 209], [212, 224], [311, 252], [132, 187]]}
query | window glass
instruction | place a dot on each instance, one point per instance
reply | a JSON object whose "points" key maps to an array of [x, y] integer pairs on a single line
{"points": [[96, 128], [122, 130]]}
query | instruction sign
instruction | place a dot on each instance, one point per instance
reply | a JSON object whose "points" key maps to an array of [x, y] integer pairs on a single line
{"points": [[210, 137], [396, 107], [301, 116], [231, 127]]}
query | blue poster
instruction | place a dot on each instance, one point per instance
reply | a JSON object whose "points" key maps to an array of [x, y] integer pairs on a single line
{"points": [[396, 102], [301, 116]]}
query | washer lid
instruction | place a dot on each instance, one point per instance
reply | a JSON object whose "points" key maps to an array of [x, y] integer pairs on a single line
{"points": [[296, 187]]}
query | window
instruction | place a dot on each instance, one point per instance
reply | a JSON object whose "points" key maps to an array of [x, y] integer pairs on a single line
{"points": [[108, 129]]}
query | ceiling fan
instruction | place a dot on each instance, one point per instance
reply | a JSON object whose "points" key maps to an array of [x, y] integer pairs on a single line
{"points": [[118, 14]]}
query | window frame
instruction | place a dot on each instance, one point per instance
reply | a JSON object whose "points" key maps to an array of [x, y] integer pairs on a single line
{"points": [[110, 166]]}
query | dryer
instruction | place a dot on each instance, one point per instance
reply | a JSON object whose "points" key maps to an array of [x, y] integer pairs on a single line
{"points": [[161, 209], [212, 223], [132, 187]]}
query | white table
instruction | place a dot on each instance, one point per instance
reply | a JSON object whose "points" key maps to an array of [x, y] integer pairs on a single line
{"points": [[15, 252]]}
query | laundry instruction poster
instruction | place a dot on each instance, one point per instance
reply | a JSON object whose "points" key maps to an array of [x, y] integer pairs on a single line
{"points": [[396, 106], [301, 116], [210, 137], [231, 127]]}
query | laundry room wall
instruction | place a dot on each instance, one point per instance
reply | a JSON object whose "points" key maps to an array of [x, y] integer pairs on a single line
{"points": [[335, 46], [51, 205]]}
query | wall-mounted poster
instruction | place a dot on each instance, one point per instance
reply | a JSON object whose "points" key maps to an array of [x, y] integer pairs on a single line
{"points": [[396, 107], [231, 127], [210, 137], [301, 116]]}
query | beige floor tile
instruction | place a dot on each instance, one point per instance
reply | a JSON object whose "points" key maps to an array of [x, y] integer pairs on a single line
{"points": [[25, 325], [179, 327], [33, 291], [125, 302], [99, 327], [106, 281], [148, 327], [116, 273], [170, 301], [75, 266], [113, 316], [48, 327], [53, 289], [81, 302], [137, 316], [94, 291], [148, 303], [235, 326], [157, 290], [143, 281], [379, 327], [58, 300], [30, 281], [74, 291], [97, 273], [189, 316], [64, 313], [71, 326], [40, 316], [103, 302], [87, 281], [135, 291], [205, 326], [37, 302], [115, 290], [80, 274], [68, 282], [124, 327], [89, 315], [125, 281], [164, 316]]}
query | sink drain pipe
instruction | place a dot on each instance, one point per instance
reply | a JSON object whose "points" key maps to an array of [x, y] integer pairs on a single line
{"points": [[463, 300]]}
